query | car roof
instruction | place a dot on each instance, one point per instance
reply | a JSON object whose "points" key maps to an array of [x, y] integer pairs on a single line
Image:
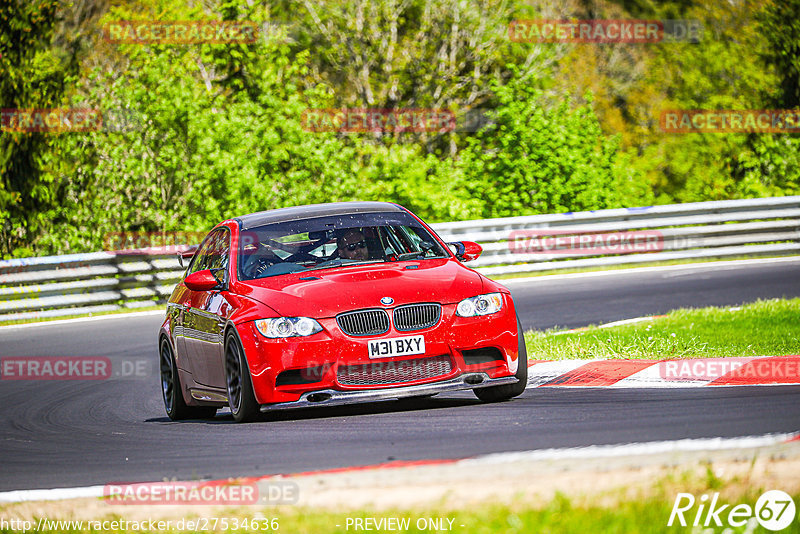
{"points": [[313, 210]]}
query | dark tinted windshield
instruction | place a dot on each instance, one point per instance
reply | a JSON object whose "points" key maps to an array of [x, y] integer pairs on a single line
{"points": [[334, 241]]}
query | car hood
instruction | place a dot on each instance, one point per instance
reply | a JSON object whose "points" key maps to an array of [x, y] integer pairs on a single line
{"points": [[332, 291]]}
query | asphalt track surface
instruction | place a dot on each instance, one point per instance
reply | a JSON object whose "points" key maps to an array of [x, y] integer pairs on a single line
{"points": [[79, 433]]}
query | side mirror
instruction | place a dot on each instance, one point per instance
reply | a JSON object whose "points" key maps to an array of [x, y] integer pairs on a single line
{"points": [[466, 250], [184, 257], [201, 281]]}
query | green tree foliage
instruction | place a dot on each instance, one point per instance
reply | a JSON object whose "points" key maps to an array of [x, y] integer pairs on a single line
{"points": [[195, 151], [198, 133], [780, 28], [388, 54], [540, 159], [725, 70], [33, 75]]}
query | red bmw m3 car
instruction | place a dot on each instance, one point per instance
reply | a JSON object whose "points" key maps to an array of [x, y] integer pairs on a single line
{"points": [[334, 304]]}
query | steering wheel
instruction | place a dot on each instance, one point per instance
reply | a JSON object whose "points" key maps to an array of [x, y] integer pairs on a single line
{"points": [[256, 268]]}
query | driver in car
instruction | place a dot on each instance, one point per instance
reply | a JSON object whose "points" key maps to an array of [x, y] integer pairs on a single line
{"points": [[352, 246]]}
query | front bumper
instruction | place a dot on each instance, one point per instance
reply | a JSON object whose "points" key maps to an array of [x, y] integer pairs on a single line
{"points": [[318, 358], [332, 397]]}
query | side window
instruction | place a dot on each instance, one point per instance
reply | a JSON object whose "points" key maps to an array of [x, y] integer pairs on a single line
{"points": [[217, 257], [198, 260], [213, 253]]}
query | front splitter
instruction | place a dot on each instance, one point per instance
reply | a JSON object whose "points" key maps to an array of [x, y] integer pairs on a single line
{"points": [[332, 397]]}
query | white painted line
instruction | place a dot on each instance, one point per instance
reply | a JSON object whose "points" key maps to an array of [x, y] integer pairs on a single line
{"points": [[634, 270], [651, 377], [85, 319], [630, 449], [544, 372], [604, 325], [56, 494], [627, 321]]}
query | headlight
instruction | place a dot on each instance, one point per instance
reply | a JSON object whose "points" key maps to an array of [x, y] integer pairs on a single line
{"points": [[480, 305], [288, 327]]}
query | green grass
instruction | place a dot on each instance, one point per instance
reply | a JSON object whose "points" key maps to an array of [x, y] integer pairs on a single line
{"points": [[559, 515], [763, 328]]}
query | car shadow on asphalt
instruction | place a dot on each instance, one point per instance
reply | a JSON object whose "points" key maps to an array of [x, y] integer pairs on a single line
{"points": [[372, 408]]}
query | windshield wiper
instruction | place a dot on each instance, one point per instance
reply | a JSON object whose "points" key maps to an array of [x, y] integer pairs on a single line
{"points": [[340, 263], [410, 256]]}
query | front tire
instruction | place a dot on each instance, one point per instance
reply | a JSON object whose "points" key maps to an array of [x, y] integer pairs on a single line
{"points": [[172, 390], [509, 391], [240, 387]]}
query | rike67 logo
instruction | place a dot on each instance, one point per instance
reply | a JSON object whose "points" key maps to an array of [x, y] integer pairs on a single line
{"points": [[774, 510]]}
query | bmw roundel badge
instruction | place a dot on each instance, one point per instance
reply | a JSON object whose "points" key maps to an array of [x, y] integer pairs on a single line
{"points": [[387, 301]]}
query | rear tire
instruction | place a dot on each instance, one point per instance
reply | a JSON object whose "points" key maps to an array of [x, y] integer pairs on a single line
{"points": [[241, 399], [509, 391], [172, 390]]}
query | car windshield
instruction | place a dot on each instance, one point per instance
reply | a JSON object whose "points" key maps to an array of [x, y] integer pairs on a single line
{"points": [[334, 241]]}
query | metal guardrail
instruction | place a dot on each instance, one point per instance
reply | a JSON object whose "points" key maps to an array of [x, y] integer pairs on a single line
{"points": [[55, 286], [701, 230], [87, 283]]}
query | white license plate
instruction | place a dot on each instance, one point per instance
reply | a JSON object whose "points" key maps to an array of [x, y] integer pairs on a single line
{"points": [[396, 346]]}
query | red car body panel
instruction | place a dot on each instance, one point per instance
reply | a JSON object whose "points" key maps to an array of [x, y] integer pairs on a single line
{"points": [[322, 295]]}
